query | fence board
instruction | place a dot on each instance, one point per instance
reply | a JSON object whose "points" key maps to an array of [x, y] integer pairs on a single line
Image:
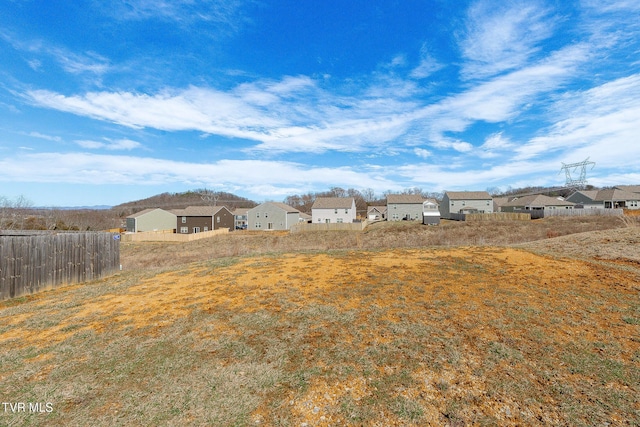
{"points": [[343, 226], [32, 262]]}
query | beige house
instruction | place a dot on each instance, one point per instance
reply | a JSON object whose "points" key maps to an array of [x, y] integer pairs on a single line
{"points": [[151, 220]]}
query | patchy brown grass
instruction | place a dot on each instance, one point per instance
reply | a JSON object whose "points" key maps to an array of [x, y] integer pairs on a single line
{"points": [[472, 335], [382, 235]]}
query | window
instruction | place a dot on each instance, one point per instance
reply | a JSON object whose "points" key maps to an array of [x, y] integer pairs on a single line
{"points": [[218, 219], [346, 211], [335, 211], [184, 230], [339, 220], [257, 214], [258, 225], [266, 214], [184, 219], [196, 229]]}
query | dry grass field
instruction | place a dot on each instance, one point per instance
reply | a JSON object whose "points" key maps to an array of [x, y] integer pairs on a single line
{"points": [[534, 323]]}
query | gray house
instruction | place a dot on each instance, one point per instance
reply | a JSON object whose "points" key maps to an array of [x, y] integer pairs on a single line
{"points": [[333, 210], [272, 216], [404, 207], [536, 202], [465, 202], [585, 198], [612, 198], [151, 220]]}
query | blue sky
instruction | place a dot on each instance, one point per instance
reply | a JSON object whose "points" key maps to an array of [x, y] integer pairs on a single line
{"points": [[103, 102]]}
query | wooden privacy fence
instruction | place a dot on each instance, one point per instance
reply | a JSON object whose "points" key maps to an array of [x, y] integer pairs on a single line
{"points": [[32, 262], [339, 226], [170, 236], [583, 212], [496, 216]]}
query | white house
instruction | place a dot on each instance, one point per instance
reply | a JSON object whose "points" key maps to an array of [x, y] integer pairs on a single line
{"points": [[333, 210]]}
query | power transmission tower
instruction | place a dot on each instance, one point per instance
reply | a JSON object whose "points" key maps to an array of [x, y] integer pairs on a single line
{"points": [[210, 197], [580, 182]]}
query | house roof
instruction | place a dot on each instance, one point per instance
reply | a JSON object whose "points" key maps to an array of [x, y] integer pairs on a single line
{"points": [[240, 211], [199, 210], [405, 198], [500, 201], [146, 211], [284, 207], [381, 209], [591, 194], [137, 214], [333, 203], [537, 200], [468, 195], [630, 188], [614, 194]]}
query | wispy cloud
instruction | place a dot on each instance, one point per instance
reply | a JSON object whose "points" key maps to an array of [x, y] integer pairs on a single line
{"points": [[109, 144], [43, 136], [296, 114], [277, 176], [70, 61], [588, 121], [227, 15], [502, 37]]}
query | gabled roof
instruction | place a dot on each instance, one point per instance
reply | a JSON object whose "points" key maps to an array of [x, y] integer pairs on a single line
{"points": [[537, 200], [614, 194], [468, 195], [381, 209], [500, 201], [146, 211], [590, 194], [333, 203], [405, 198], [199, 211]]}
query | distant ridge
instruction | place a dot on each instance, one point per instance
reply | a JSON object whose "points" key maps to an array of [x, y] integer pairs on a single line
{"points": [[182, 200]]}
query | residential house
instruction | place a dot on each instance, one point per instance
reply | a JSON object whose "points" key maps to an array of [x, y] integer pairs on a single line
{"points": [[536, 202], [612, 198], [196, 219], [272, 216], [454, 202], [377, 213], [407, 207], [151, 220], [240, 215], [498, 202], [333, 210], [585, 199], [430, 212]]}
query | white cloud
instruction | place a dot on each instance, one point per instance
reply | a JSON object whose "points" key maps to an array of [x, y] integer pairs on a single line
{"points": [[421, 152], [602, 122], [84, 168], [503, 36], [43, 136], [109, 144]]}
